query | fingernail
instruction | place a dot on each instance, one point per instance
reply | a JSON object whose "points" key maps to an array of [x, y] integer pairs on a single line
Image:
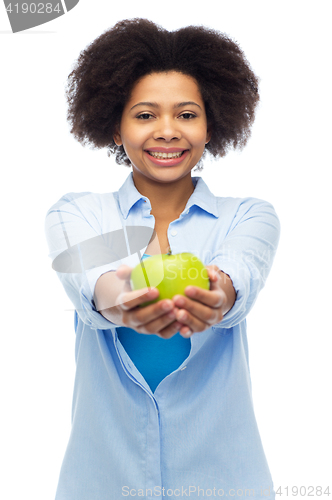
{"points": [[182, 315]]}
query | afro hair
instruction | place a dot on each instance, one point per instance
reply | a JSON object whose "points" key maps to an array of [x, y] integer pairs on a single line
{"points": [[106, 71]]}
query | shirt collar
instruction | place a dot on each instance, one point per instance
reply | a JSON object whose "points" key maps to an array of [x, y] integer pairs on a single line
{"points": [[202, 197]]}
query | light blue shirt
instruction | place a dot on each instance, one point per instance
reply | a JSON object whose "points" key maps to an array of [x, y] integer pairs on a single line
{"points": [[196, 435]]}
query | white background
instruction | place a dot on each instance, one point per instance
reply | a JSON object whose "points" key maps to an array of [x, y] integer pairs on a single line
{"points": [[286, 162]]}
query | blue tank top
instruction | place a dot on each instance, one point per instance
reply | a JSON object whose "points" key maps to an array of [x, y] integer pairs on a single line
{"points": [[154, 357]]}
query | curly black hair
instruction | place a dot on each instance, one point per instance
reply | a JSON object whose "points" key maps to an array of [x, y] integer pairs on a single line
{"points": [[106, 71]]}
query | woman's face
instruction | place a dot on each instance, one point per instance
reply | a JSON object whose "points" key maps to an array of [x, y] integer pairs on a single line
{"points": [[163, 127]]}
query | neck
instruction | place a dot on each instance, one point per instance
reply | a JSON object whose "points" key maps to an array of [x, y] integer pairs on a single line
{"points": [[168, 199]]}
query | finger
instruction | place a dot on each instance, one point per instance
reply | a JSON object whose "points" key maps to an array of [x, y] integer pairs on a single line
{"points": [[171, 330], [214, 297], [195, 313], [217, 278], [185, 331], [212, 268], [166, 325], [214, 274], [129, 299], [190, 323], [153, 318], [193, 324], [123, 272]]}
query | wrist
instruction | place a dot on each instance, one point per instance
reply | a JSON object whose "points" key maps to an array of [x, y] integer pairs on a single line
{"points": [[226, 285]]}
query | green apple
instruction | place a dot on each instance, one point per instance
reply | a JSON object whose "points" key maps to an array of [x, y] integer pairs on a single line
{"points": [[170, 274]]}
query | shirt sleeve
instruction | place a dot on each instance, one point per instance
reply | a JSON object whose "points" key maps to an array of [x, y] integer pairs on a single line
{"points": [[246, 255], [81, 252]]}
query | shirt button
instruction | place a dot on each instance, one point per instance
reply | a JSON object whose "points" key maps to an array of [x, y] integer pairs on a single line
{"points": [[174, 233]]}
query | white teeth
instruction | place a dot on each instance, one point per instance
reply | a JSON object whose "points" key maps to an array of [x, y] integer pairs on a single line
{"points": [[157, 154]]}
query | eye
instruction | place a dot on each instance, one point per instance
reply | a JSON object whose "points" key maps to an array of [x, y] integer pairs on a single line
{"points": [[187, 116], [144, 116]]}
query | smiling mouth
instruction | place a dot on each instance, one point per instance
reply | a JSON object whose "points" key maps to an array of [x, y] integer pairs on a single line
{"points": [[166, 156]]}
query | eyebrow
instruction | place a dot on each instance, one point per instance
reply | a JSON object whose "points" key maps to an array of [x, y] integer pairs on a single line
{"points": [[156, 105]]}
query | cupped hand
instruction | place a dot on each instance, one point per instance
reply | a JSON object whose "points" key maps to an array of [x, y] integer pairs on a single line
{"points": [[158, 318], [200, 309]]}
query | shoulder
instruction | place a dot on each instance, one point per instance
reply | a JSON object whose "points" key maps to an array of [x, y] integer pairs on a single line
{"points": [[227, 208], [249, 216], [83, 202], [244, 208]]}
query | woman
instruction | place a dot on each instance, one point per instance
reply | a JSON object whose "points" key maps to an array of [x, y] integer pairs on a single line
{"points": [[162, 399]]}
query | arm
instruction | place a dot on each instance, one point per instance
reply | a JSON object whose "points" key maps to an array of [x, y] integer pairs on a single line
{"points": [[69, 224], [242, 261], [247, 254], [102, 298]]}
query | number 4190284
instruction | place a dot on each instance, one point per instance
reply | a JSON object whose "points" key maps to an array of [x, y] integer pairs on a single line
{"points": [[310, 491], [33, 8]]}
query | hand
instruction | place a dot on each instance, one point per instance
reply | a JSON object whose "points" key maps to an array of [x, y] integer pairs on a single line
{"points": [[151, 319], [200, 309]]}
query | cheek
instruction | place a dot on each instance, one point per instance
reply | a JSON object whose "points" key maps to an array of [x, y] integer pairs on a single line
{"points": [[199, 133], [199, 138], [134, 138]]}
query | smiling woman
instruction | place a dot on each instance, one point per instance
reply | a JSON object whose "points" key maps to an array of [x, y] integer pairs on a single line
{"points": [[164, 126], [101, 83], [162, 393]]}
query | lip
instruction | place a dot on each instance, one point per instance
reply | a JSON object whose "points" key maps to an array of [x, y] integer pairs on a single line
{"points": [[165, 150], [169, 162]]}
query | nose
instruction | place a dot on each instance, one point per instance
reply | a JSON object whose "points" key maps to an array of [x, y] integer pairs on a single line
{"points": [[167, 129]]}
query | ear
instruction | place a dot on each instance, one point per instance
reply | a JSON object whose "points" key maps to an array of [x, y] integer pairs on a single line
{"points": [[208, 134], [117, 137]]}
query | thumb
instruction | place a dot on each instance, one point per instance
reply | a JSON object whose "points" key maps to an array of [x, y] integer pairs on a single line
{"points": [[213, 276], [123, 272]]}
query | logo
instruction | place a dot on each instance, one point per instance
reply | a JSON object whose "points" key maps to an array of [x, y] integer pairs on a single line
{"points": [[103, 249], [25, 15]]}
